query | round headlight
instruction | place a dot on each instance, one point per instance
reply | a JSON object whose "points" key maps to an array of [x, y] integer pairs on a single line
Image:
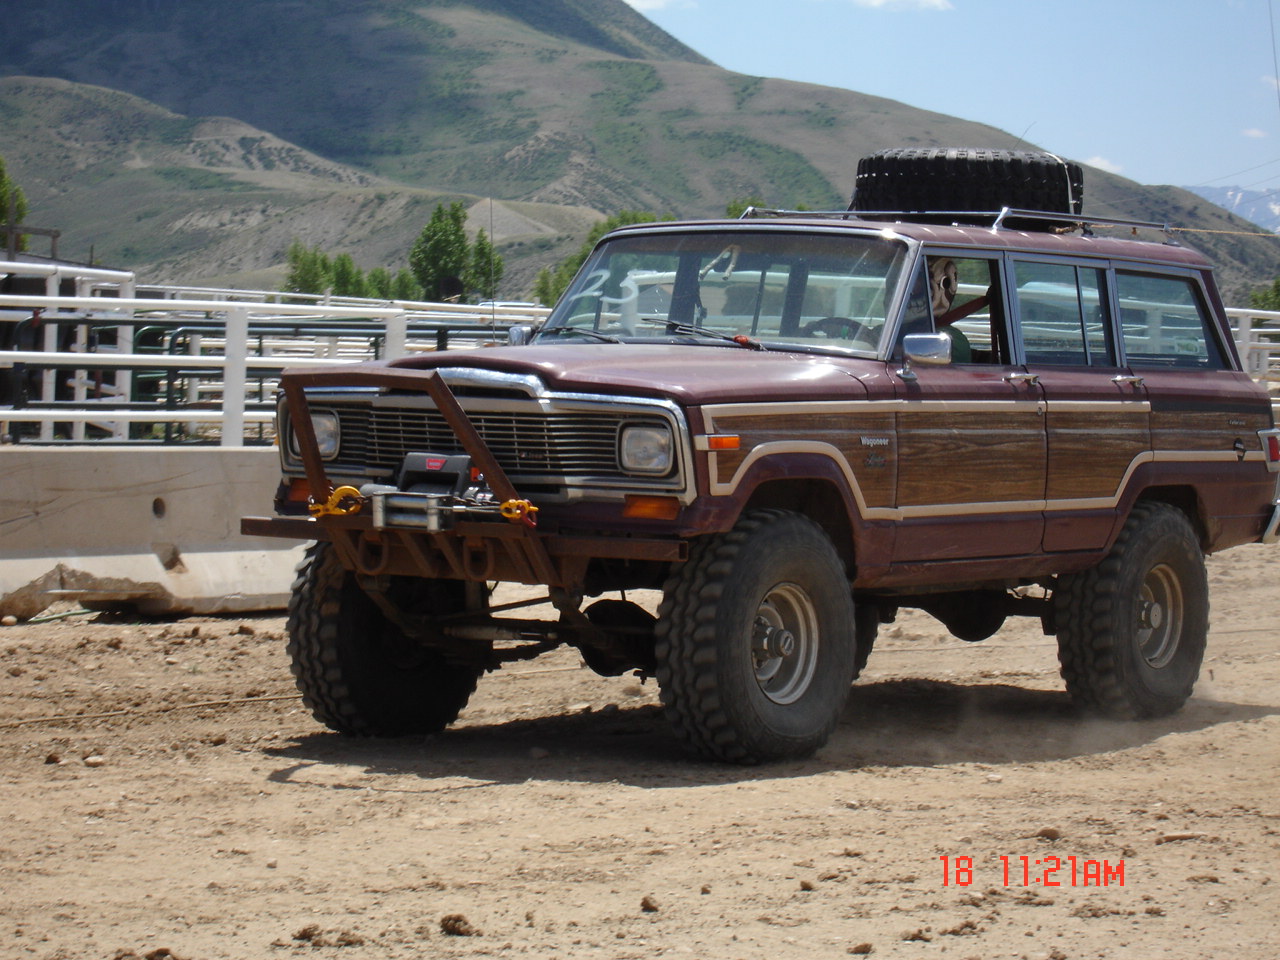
{"points": [[645, 448]]}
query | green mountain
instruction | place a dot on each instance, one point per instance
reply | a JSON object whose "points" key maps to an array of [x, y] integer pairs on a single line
{"points": [[214, 200], [353, 119]]}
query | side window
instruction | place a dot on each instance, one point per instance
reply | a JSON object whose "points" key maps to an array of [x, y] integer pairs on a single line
{"points": [[1165, 323], [965, 300], [1062, 314]]}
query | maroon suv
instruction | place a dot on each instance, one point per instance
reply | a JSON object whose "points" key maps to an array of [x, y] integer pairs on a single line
{"points": [[792, 424]]}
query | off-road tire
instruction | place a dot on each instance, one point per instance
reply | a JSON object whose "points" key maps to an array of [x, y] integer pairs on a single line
{"points": [[357, 672], [1132, 630], [722, 698], [915, 180]]}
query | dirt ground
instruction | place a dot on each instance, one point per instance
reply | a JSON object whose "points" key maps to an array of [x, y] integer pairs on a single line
{"points": [[165, 794]]}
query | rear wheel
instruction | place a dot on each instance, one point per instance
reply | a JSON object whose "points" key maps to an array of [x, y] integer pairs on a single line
{"points": [[357, 671], [1132, 630], [756, 643]]}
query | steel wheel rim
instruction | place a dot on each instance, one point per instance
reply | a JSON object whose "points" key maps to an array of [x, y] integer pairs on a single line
{"points": [[785, 643], [1161, 610]]}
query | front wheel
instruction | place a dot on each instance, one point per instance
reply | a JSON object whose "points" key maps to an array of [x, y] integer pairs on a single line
{"points": [[358, 672], [756, 641], [1132, 630]]}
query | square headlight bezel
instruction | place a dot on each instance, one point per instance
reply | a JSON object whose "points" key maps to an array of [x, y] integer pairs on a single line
{"points": [[328, 431], [660, 434]]}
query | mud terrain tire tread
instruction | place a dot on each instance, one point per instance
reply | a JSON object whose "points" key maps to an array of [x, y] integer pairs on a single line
{"points": [[338, 655], [960, 179], [702, 694], [1095, 611]]}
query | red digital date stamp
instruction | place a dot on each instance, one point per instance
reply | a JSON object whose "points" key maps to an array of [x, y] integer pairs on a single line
{"points": [[1047, 871]]}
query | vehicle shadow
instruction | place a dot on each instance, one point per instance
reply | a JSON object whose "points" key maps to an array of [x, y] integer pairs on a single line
{"points": [[890, 723]]}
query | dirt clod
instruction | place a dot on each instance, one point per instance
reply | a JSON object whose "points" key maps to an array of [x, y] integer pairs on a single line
{"points": [[457, 925]]}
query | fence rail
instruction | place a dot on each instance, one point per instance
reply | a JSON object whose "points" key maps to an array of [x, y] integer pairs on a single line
{"points": [[189, 364]]}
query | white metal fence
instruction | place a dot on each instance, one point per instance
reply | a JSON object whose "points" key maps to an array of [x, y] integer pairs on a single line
{"points": [[119, 361]]}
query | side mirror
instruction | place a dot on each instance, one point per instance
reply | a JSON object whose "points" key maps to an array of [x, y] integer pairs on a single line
{"points": [[926, 349], [518, 336]]}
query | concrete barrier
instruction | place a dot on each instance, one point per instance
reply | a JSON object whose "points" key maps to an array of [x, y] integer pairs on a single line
{"points": [[156, 528]]}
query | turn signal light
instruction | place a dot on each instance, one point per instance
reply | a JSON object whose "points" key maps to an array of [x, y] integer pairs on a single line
{"points": [[651, 508], [724, 441]]}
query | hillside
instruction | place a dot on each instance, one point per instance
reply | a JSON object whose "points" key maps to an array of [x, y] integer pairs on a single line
{"points": [[215, 200], [570, 102]]}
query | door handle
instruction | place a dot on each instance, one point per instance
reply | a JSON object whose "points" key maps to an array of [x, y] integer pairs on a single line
{"points": [[1128, 378], [1027, 378]]}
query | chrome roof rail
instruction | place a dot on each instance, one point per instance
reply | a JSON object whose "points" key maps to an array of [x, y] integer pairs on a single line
{"points": [[1084, 223], [996, 218]]}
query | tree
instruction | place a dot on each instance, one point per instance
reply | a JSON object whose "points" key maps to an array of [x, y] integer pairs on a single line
{"points": [[441, 255], [404, 286], [348, 279], [485, 270], [11, 193], [377, 283], [552, 281], [309, 269], [736, 208], [1266, 298]]}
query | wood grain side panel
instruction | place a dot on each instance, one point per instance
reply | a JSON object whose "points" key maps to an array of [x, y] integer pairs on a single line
{"points": [[970, 457], [866, 443], [1205, 430], [1090, 453]]}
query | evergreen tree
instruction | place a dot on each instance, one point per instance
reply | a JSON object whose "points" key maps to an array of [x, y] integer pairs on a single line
{"points": [[10, 192], [441, 256]]}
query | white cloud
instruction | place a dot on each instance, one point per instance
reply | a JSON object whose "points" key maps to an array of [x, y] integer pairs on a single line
{"points": [[657, 4], [1102, 163], [906, 4], [1271, 82], [1253, 133]]}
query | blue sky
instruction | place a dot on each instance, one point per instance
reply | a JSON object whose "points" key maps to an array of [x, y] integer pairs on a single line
{"points": [[1160, 91]]}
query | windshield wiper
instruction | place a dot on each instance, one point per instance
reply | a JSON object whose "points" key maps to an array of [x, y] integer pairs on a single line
{"points": [[580, 331], [692, 329]]}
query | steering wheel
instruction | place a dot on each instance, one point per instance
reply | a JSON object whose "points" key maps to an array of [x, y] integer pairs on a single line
{"points": [[836, 328]]}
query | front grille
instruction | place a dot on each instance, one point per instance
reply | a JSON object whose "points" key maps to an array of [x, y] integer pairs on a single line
{"points": [[576, 444]]}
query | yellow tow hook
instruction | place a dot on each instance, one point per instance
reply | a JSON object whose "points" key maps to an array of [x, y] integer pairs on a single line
{"points": [[520, 511], [342, 502]]}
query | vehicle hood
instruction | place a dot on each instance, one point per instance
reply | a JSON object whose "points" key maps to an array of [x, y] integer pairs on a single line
{"points": [[687, 374]]}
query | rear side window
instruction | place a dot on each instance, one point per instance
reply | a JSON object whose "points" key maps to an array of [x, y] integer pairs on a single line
{"points": [[1062, 313], [1165, 323]]}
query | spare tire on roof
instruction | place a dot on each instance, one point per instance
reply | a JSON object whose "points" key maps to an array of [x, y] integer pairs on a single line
{"points": [[921, 181]]}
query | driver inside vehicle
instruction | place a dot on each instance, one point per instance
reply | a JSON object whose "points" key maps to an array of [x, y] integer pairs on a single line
{"points": [[943, 284]]}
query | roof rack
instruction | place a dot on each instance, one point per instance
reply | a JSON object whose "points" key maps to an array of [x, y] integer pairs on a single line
{"points": [[997, 218]]}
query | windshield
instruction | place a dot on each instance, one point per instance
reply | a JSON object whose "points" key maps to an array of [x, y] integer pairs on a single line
{"points": [[777, 288]]}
